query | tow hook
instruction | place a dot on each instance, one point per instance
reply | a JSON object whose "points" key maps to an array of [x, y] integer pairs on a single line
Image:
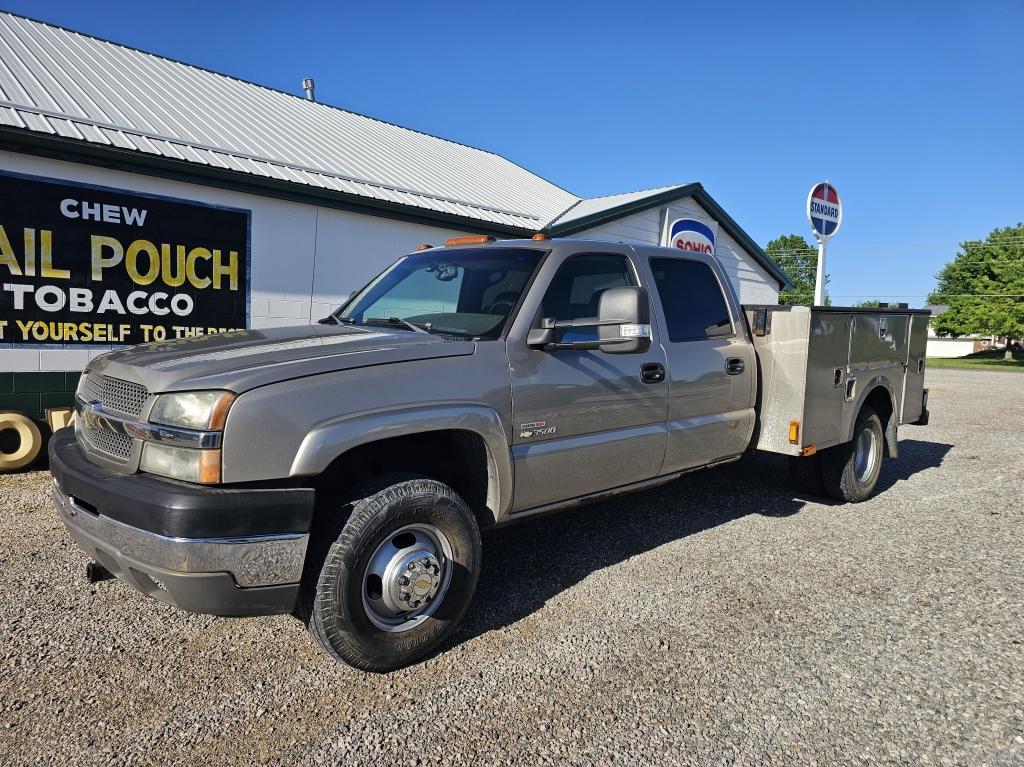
{"points": [[95, 572]]}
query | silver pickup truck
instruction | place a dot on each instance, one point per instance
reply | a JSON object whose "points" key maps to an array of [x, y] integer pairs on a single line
{"points": [[342, 472]]}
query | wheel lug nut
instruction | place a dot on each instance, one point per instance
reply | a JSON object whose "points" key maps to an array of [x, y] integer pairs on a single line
{"points": [[403, 581]]}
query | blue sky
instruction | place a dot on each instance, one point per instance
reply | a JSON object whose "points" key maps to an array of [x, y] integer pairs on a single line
{"points": [[915, 111]]}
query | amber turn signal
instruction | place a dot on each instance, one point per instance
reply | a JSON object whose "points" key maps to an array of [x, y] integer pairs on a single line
{"points": [[219, 414], [541, 236], [209, 467], [794, 432], [470, 239]]}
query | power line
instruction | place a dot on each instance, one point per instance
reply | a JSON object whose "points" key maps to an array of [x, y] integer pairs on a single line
{"points": [[921, 295], [996, 258], [1010, 238]]}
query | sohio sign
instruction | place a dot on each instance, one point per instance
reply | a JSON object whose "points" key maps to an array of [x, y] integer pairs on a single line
{"points": [[691, 235]]}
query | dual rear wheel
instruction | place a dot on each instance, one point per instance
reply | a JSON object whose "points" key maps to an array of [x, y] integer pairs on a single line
{"points": [[847, 472]]}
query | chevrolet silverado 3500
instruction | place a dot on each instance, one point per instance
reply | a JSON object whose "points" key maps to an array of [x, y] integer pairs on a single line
{"points": [[342, 472]]}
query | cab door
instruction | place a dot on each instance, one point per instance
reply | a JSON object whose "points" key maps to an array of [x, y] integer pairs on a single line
{"points": [[711, 365], [583, 421]]}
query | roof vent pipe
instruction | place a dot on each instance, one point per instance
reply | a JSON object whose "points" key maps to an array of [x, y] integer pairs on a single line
{"points": [[307, 86]]}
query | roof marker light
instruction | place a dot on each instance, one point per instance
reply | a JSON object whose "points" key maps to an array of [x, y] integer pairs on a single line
{"points": [[541, 236], [424, 246], [471, 239]]}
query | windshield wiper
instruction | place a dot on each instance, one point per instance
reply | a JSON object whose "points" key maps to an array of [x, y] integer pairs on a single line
{"points": [[335, 319], [419, 328], [400, 323]]}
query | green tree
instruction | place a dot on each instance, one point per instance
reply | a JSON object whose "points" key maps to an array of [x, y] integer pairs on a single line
{"points": [[872, 304], [799, 260], [984, 288]]}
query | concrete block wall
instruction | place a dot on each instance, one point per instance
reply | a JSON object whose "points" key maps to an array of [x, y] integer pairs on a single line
{"points": [[32, 393]]}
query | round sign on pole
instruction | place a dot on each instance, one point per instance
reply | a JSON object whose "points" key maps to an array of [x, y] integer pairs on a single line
{"points": [[824, 210]]}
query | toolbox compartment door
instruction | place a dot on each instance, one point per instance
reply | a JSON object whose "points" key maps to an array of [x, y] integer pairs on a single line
{"points": [[913, 381]]}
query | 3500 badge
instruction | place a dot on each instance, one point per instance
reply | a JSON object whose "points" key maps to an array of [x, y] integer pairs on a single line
{"points": [[536, 429]]}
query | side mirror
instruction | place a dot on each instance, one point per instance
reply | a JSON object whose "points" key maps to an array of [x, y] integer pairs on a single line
{"points": [[542, 337], [624, 321], [623, 325]]}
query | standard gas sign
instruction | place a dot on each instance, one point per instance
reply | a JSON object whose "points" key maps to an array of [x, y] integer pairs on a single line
{"points": [[692, 235], [824, 210], [93, 265]]}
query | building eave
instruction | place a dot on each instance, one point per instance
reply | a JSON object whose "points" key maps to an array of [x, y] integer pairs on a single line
{"points": [[705, 200], [131, 161]]}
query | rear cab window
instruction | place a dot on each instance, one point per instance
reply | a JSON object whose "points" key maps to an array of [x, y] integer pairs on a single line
{"points": [[691, 299]]}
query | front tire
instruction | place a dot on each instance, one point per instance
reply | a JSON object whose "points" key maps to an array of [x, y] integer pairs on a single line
{"points": [[850, 471], [399, 576]]}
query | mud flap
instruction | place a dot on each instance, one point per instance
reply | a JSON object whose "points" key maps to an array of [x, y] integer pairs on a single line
{"points": [[891, 447]]}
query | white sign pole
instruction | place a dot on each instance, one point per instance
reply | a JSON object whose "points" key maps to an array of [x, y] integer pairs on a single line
{"points": [[824, 214], [819, 279]]}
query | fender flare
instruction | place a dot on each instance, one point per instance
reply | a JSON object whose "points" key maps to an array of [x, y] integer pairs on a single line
{"points": [[878, 382], [335, 437]]}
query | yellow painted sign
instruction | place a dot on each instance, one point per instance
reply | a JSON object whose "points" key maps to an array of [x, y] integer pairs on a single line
{"points": [[88, 265]]}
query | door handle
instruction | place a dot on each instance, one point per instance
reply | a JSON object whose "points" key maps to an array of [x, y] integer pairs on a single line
{"points": [[734, 366], [652, 372]]}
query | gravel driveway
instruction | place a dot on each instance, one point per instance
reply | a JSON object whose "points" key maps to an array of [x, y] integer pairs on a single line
{"points": [[721, 619]]}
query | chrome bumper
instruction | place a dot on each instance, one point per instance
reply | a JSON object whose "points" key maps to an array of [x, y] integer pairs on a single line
{"points": [[265, 560]]}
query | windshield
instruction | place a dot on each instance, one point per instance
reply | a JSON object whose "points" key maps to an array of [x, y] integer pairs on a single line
{"points": [[466, 293]]}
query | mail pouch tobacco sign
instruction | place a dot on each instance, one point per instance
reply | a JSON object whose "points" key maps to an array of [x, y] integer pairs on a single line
{"points": [[88, 265]]}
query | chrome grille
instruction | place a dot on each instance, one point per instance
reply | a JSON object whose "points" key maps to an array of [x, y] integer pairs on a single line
{"points": [[114, 394], [111, 444]]}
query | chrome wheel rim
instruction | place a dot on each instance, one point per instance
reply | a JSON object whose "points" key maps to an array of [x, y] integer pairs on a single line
{"points": [[864, 457], [407, 577]]}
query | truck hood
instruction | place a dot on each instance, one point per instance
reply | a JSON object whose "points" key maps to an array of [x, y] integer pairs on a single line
{"points": [[245, 359]]}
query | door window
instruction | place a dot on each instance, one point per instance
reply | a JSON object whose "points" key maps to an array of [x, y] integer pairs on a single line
{"points": [[691, 299], [576, 290]]}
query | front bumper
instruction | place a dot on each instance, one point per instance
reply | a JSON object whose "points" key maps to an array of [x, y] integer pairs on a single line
{"points": [[223, 551]]}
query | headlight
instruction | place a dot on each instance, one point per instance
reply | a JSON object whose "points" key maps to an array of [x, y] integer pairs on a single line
{"points": [[192, 409], [202, 466], [199, 410]]}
